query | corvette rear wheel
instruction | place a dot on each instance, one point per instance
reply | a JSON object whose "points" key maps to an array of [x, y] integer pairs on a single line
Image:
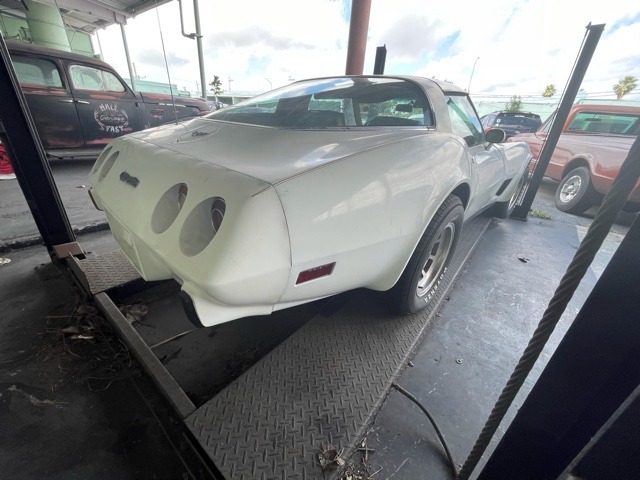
{"points": [[575, 193], [428, 264]]}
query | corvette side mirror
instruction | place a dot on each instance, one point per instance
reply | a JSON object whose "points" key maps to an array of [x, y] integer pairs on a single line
{"points": [[496, 135]]}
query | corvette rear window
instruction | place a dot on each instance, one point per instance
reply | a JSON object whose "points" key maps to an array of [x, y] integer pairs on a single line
{"points": [[335, 102]]}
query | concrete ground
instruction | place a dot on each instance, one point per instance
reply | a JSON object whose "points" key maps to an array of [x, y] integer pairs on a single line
{"points": [[17, 227], [73, 407]]}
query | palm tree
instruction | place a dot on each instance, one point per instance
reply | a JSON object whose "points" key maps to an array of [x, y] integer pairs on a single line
{"points": [[625, 85], [549, 90], [216, 86]]}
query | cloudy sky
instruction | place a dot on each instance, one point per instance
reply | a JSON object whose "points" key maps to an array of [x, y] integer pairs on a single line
{"points": [[520, 45]]}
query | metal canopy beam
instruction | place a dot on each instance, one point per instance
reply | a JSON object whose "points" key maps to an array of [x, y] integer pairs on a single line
{"points": [[90, 15], [358, 28]]}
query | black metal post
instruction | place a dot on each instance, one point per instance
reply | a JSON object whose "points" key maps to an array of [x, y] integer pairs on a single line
{"points": [[381, 58], [591, 374], [20, 139], [590, 43]]}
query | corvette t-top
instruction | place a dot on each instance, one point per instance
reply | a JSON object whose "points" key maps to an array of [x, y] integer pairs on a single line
{"points": [[309, 190]]}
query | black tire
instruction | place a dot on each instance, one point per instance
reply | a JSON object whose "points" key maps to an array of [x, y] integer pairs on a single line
{"points": [[631, 207], [575, 193], [505, 209], [414, 289]]}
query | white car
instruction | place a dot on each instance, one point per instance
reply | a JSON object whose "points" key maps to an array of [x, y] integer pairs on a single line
{"points": [[292, 196]]}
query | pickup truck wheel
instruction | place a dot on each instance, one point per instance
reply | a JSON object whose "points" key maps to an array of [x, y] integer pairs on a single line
{"points": [[428, 264], [575, 193]]}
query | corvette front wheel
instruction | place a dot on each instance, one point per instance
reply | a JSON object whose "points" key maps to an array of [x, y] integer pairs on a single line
{"points": [[428, 264]]}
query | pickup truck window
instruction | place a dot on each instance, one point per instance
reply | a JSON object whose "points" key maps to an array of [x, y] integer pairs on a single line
{"points": [[464, 121], [617, 123], [546, 126], [89, 78], [36, 71]]}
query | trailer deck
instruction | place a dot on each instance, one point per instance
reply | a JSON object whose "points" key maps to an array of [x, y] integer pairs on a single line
{"points": [[322, 385]]}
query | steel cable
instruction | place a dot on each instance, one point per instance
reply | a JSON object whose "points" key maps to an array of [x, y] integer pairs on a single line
{"points": [[612, 204]]}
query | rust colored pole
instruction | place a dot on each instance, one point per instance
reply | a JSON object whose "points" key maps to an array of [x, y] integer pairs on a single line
{"points": [[358, 27]]}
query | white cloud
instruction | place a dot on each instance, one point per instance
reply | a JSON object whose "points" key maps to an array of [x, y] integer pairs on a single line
{"points": [[523, 45]]}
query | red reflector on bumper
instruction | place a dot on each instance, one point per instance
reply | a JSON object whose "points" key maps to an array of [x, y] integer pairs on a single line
{"points": [[316, 272]]}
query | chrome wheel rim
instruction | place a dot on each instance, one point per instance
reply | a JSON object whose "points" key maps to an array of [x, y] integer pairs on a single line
{"points": [[435, 262], [570, 188]]}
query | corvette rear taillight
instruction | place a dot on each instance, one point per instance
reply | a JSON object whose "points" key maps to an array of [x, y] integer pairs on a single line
{"points": [[217, 213], [182, 195], [108, 164], [101, 158], [201, 225], [168, 207], [316, 272]]}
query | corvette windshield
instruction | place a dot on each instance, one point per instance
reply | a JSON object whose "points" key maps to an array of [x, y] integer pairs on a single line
{"points": [[335, 102]]}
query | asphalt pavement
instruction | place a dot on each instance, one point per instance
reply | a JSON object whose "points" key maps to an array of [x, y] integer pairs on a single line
{"points": [[18, 229]]}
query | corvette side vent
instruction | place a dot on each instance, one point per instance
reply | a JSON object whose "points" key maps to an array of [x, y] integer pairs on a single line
{"points": [[504, 185]]}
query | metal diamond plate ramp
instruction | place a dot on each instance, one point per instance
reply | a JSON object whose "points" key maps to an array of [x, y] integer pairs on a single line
{"points": [[103, 272], [324, 384]]}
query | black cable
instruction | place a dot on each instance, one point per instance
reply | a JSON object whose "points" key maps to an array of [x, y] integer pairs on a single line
{"points": [[452, 463]]}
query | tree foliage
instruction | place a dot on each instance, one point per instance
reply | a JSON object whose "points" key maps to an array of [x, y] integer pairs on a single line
{"points": [[216, 86], [549, 90], [514, 104], [625, 85]]}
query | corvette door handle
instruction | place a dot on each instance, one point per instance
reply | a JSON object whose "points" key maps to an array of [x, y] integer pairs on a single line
{"points": [[84, 102], [66, 100]]}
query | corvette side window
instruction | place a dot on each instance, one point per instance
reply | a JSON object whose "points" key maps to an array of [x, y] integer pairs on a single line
{"points": [[464, 121]]}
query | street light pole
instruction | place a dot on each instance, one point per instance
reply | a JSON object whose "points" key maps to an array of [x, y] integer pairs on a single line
{"points": [[471, 77], [270, 84]]}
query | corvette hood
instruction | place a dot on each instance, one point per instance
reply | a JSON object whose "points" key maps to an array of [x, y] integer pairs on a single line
{"points": [[269, 154]]}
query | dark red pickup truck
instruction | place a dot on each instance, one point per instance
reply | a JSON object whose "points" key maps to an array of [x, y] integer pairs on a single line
{"points": [[594, 142], [79, 104]]}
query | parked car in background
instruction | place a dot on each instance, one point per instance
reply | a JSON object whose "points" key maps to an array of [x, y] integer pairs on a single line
{"points": [[6, 169], [594, 142], [512, 123], [292, 196], [79, 104]]}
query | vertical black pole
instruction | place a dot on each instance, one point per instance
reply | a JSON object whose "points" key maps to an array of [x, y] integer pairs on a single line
{"points": [[20, 139], [591, 42], [381, 58], [593, 371]]}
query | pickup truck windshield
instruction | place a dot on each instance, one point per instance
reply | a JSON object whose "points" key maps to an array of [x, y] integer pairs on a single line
{"points": [[335, 102]]}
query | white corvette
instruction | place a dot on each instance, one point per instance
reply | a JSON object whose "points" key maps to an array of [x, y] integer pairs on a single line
{"points": [[313, 189]]}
